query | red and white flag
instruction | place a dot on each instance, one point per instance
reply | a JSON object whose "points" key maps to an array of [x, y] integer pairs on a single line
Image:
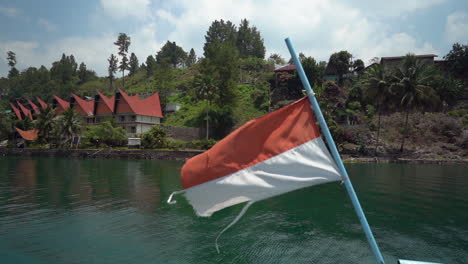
{"points": [[268, 156]]}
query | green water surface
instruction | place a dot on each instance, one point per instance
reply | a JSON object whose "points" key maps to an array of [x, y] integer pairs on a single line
{"points": [[56, 210]]}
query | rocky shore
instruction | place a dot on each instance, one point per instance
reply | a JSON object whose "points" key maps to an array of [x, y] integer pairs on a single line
{"points": [[181, 155]]}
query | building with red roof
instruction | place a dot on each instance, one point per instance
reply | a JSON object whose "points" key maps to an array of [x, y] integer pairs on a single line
{"points": [[26, 111], [60, 105], [42, 103], [137, 115], [34, 107], [17, 112]]}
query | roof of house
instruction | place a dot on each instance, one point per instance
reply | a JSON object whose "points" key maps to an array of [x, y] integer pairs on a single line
{"points": [[25, 111], [17, 112], [86, 106], [289, 67], [149, 106], [42, 103], [34, 107], [64, 104], [401, 57], [109, 102], [28, 134]]}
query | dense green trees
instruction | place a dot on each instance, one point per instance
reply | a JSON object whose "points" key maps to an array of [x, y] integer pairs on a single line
{"points": [[69, 125], [457, 60], [276, 59], [171, 54], [150, 65], [341, 61], [191, 58], [133, 64], [11, 58]]}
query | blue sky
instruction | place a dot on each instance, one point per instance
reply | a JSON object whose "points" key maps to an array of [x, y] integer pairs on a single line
{"points": [[40, 31]]}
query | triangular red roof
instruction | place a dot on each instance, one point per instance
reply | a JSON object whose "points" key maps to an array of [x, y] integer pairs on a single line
{"points": [[25, 111], [149, 106], [108, 102], [34, 106], [28, 134], [42, 103], [62, 105], [85, 107], [17, 112]]}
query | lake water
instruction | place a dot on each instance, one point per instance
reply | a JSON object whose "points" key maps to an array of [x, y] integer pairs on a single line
{"points": [[114, 211]]}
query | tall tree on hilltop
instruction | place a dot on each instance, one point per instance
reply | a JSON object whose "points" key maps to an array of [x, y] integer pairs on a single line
{"points": [[11, 57], [457, 60], [112, 69], [133, 64], [276, 59], [82, 72], [192, 58], [123, 42], [412, 84], [220, 31], [150, 65], [64, 70], [249, 42], [172, 54], [341, 61]]}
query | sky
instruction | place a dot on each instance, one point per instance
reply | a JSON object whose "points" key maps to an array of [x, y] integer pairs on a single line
{"points": [[40, 31]]}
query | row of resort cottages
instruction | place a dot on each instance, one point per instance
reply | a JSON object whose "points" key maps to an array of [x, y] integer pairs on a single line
{"points": [[136, 115]]}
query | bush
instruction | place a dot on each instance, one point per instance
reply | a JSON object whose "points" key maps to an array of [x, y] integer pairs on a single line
{"points": [[106, 134], [156, 137]]}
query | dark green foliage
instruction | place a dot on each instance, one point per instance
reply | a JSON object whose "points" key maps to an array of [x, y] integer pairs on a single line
{"points": [[191, 58], [106, 134], [11, 58], [276, 59], [458, 60], [112, 69], [249, 42], [448, 88], [150, 65], [171, 54], [133, 64], [45, 123], [85, 75], [341, 61], [222, 63], [313, 70], [156, 137], [69, 124], [358, 65], [219, 32]]}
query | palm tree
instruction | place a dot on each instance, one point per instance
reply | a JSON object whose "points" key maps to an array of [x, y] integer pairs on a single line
{"points": [[69, 124], [45, 123], [377, 88], [205, 89], [411, 83]]}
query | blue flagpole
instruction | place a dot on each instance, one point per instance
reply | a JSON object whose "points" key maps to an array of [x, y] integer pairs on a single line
{"points": [[335, 154]]}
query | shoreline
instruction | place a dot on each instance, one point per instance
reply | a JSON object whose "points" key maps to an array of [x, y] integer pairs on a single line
{"points": [[181, 155]]}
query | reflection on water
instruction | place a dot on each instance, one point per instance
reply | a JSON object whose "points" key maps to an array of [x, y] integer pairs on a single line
{"points": [[114, 211]]}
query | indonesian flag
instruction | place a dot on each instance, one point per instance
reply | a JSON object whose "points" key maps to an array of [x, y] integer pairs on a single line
{"points": [[268, 156]]}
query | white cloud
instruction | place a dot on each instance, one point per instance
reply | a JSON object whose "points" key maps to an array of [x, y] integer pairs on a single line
{"points": [[121, 9], [9, 11], [456, 28], [47, 25], [317, 27]]}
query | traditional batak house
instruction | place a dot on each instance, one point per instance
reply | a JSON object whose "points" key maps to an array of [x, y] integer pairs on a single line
{"points": [[26, 111], [34, 107], [134, 114], [84, 107], [137, 115], [103, 107], [60, 105]]}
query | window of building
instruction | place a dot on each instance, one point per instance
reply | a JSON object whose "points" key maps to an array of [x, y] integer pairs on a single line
{"points": [[132, 129], [121, 118], [133, 118]]}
